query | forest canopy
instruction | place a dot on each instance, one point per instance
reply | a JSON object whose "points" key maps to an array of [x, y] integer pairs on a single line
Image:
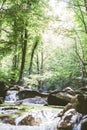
{"points": [[43, 43]]}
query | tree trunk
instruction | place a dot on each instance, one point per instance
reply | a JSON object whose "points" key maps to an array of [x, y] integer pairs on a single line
{"points": [[40, 82], [23, 56], [15, 58], [15, 55], [41, 62], [38, 71], [32, 55], [85, 3]]}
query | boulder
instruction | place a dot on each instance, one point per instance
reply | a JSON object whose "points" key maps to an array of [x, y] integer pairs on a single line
{"points": [[3, 89], [84, 123], [7, 119], [36, 100], [1, 100], [60, 98], [79, 102], [69, 121], [30, 94], [69, 90], [82, 90], [30, 120], [72, 120], [74, 114]]}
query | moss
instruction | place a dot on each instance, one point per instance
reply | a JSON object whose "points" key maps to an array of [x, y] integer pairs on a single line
{"points": [[6, 118]]}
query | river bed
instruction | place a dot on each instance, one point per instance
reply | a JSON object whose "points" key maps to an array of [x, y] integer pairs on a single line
{"points": [[11, 114]]}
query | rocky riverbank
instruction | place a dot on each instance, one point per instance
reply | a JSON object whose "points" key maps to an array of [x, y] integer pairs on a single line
{"points": [[29, 110]]}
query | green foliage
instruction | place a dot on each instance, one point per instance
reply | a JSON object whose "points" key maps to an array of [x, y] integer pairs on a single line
{"points": [[56, 57], [80, 10], [15, 17]]}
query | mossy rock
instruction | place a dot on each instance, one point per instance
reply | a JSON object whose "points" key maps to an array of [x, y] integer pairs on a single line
{"points": [[8, 119]]}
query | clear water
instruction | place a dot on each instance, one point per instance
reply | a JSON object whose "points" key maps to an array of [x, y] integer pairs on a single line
{"points": [[11, 96], [77, 127], [49, 123]]}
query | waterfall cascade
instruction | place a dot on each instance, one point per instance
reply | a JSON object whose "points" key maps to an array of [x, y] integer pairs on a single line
{"points": [[77, 127], [11, 96]]}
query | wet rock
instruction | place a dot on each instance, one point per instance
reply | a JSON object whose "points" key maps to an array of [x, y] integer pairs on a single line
{"points": [[84, 123], [72, 116], [82, 90], [69, 119], [30, 94], [30, 120], [9, 108], [3, 89], [7, 119], [1, 100], [79, 102], [69, 91], [60, 98], [36, 100]]}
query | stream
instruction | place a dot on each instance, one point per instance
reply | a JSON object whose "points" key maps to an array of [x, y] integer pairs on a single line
{"points": [[48, 122], [12, 115], [77, 127], [29, 114]]}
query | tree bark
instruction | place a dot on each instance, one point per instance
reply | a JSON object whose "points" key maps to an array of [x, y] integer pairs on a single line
{"points": [[85, 3], [24, 47], [32, 55], [42, 61], [38, 71]]}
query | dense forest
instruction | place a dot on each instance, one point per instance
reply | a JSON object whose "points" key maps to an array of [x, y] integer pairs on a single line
{"points": [[43, 64], [43, 43]]}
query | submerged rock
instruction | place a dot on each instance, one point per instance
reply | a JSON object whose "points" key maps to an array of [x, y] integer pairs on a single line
{"points": [[44, 119], [29, 101], [7, 119], [30, 120]]}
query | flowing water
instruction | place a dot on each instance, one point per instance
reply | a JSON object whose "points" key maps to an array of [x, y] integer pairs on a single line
{"points": [[49, 122], [11, 96], [77, 127], [47, 114]]}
